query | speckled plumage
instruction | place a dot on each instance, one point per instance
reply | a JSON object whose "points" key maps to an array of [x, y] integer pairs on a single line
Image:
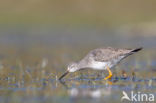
{"points": [[106, 55]]}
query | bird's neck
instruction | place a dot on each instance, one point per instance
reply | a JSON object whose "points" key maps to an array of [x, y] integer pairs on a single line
{"points": [[82, 64]]}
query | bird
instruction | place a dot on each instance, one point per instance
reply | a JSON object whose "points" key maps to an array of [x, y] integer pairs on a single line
{"points": [[103, 58]]}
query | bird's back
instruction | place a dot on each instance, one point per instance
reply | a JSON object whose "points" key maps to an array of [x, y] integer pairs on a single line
{"points": [[107, 54]]}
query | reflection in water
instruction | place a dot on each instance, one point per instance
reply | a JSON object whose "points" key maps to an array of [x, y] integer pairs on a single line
{"points": [[105, 90], [93, 93], [89, 92]]}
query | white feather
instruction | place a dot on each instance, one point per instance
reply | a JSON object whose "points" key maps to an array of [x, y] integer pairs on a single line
{"points": [[98, 65]]}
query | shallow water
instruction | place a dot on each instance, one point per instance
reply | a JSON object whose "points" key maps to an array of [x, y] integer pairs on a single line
{"points": [[31, 63], [32, 76]]}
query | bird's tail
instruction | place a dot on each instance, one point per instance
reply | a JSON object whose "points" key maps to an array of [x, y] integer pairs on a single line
{"points": [[136, 50], [132, 51]]}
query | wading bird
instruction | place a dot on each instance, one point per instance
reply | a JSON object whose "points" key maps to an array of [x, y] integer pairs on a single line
{"points": [[101, 59]]}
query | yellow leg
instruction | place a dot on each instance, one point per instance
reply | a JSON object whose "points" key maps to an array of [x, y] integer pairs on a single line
{"points": [[110, 73]]}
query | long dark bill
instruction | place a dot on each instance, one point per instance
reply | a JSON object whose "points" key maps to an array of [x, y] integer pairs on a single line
{"points": [[63, 75]]}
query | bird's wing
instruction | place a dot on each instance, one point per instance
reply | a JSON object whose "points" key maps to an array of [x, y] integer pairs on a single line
{"points": [[107, 54]]}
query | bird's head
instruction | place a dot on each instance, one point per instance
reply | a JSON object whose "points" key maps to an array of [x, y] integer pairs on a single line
{"points": [[72, 67]]}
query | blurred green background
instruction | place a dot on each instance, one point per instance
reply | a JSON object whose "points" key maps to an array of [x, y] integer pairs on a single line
{"points": [[77, 13], [82, 22]]}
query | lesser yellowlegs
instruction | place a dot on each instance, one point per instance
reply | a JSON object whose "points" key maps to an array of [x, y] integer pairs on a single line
{"points": [[101, 59]]}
